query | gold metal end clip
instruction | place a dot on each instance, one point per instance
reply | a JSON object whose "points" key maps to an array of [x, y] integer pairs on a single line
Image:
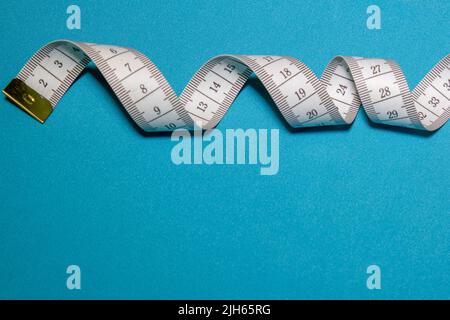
{"points": [[28, 100]]}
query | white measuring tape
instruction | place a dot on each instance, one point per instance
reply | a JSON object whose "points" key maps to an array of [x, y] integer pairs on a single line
{"points": [[303, 99]]}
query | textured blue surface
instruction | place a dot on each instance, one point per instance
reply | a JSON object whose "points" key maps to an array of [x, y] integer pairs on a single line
{"points": [[87, 188]]}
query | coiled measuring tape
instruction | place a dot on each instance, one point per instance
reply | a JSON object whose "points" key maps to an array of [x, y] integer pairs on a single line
{"points": [[303, 99]]}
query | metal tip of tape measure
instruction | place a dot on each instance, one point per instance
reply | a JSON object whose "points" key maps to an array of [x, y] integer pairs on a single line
{"points": [[28, 100]]}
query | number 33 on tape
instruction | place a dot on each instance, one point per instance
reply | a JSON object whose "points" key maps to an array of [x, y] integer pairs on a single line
{"points": [[303, 99]]}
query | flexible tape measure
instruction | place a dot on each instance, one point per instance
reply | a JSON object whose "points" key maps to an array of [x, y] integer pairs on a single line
{"points": [[303, 99]]}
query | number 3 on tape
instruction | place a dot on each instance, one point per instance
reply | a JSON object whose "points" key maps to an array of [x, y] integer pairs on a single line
{"points": [[303, 99]]}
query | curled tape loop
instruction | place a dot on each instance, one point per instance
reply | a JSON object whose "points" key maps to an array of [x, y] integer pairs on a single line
{"points": [[303, 99]]}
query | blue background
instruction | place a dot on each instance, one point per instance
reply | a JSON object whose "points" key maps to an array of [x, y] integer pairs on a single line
{"points": [[87, 188]]}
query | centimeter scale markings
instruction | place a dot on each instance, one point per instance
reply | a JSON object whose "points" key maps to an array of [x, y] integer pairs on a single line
{"points": [[303, 99]]}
